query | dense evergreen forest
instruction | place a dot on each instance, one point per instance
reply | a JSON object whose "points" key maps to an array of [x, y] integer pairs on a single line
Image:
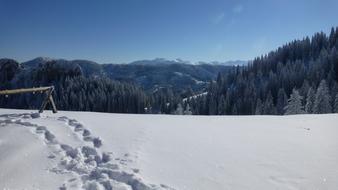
{"points": [[138, 87], [299, 77], [73, 91]]}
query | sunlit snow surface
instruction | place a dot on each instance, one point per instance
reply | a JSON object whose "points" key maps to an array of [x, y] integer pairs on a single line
{"points": [[167, 152]]}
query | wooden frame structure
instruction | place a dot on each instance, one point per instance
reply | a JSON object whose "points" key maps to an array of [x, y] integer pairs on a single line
{"points": [[47, 90]]}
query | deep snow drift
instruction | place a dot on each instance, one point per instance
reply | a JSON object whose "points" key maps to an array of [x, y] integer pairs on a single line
{"points": [[85, 150]]}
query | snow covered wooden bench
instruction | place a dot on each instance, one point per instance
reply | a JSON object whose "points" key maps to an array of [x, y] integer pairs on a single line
{"points": [[48, 99]]}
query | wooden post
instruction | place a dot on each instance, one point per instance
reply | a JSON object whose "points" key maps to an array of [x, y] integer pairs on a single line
{"points": [[48, 99], [53, 104]]}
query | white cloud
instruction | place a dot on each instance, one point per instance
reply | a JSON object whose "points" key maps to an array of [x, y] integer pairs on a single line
{"points": [[218, 18], [237, 9]]}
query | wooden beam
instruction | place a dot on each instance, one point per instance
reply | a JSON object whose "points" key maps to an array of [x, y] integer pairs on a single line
{"points": [[24, 90], [47, 90]]}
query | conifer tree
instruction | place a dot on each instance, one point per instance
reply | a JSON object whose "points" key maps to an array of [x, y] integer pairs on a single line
{"points": [[221, 106], [269, 108], [310, 100], [187, 110], [336, 104], [294, 105], [259, 108], [282, 101], [322, 101], [179, 109]]}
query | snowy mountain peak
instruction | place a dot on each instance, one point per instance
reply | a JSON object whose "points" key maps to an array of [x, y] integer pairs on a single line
{"points": [[226, 63]]}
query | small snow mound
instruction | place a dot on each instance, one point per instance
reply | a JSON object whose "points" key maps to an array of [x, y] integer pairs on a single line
{"points": [[49, 136], [63, 187], [35, 115], [87, 151], [97, 142], [93, 185], [86, 132], [73, 153], [114, 185], [78, 127], [62, 118], [105, 157], [88, 138], [96, 174], [41, 128]]}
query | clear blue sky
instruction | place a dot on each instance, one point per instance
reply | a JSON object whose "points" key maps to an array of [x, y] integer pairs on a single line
{"points": [[116, 31]]}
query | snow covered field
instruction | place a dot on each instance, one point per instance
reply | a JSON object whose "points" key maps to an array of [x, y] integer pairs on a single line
{"points": [[84, 150]]}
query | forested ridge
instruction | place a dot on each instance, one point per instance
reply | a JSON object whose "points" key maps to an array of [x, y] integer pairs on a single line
{"points": [[299, 77], [73, 91]]}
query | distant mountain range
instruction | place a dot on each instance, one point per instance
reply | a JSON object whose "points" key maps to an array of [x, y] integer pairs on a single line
{"points": [[162, 61], [149, 74], [227, 63]]}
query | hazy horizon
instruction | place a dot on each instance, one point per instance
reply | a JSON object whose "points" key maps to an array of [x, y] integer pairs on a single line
{"points": [[153, 59]]}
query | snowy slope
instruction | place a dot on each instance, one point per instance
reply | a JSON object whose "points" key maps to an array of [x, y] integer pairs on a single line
{"points": [[167, 152]]}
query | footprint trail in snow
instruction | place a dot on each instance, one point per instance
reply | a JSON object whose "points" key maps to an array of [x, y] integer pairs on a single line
{"points": [[92, 168]]}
